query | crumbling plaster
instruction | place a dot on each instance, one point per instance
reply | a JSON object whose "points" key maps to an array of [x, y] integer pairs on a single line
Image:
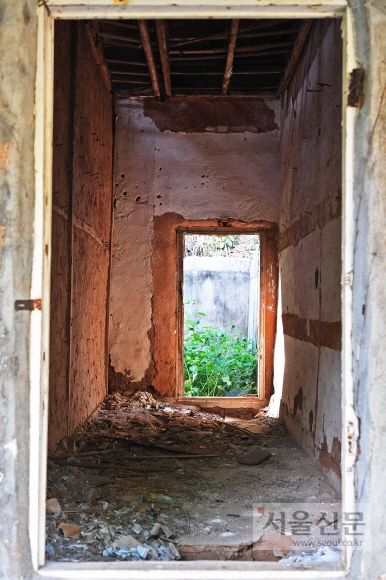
{"points": [[197, 176], [310, 261]]}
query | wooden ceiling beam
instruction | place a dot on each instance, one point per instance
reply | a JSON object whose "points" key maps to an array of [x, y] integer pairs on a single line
{"points": [[222, 35], [129, 73], [268, 53], [146, 41], [129, 82], [218, 74], [238, 50], [163, 51], [204, 51], [265, 34], [117, 44], [119, 37], [121, 24], [259, 48], [230, 55], [178, 60], [197, 74], [130, 62]]}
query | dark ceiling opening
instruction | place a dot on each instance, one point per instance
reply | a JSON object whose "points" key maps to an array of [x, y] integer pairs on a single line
{"points": [[165, 58]]}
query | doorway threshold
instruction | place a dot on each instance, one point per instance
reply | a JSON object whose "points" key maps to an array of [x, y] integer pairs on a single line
{"points": [[186, 571], [247, 403]]}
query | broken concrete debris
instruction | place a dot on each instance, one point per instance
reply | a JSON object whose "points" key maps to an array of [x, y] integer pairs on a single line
{"points": [[122, 488], [324, 555], [52, 505], [70, 530]]}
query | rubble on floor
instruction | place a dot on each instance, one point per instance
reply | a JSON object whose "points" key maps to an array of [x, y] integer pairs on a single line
{"points": [[144, 479]]}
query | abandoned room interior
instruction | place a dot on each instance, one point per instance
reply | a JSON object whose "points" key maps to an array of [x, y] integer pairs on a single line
{"points": [[165, 129]]}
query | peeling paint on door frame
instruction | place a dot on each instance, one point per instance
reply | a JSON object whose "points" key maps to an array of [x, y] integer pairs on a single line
{"points": [[39, 337]]}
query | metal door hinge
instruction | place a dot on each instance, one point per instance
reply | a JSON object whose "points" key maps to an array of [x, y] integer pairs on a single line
{"points": [[354, 98], [28, 304]]}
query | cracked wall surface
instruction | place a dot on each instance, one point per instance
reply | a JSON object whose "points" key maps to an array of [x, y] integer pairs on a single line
{"points": [[310, 248], [191, 176]]}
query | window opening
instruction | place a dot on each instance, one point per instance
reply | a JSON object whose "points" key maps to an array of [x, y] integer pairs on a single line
{"points": [[221, 314]]}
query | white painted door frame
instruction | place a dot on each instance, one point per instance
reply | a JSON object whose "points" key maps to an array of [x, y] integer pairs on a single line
{"points": [[48, 11]]}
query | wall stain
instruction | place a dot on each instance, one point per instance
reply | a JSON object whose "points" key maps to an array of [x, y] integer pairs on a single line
{"points": [[4, 156], [26, 14], [321, 214], [317, 332], [2, 230], [330, 461], [298, 401], [210, 114]]}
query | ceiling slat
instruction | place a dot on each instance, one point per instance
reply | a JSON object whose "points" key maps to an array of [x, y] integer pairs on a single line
{"points": [[163, 50], [144, 31], [234, 57], [231, 52]]}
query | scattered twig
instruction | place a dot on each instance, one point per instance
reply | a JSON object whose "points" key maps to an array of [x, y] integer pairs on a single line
{"points": [[137, 457], [84, 453], [110, 466], [141, 444]]}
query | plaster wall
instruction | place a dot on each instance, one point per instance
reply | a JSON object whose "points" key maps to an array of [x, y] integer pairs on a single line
{"points": [[64, 97], [166, 177], [219, 286], [82, 207], [310, 248], [17, 198], [368, 284]]}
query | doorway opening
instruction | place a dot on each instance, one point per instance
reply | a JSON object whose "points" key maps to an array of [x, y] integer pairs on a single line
{"points": [[221, 298], [156, 150]]}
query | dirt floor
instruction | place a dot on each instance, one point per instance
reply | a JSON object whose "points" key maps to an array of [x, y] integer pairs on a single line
{"points": [[144, 479]]}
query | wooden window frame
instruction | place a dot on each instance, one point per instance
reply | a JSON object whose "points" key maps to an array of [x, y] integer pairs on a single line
{"points": [[267, 308], [47, 11]]}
